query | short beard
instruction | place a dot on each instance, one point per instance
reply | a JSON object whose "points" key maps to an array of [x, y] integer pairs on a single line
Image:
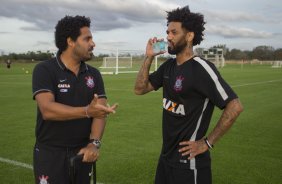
{"points": [[78, 53], [89, 58], [178, 48]]}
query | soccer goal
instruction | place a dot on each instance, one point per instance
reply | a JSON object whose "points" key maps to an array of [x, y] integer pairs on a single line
{"points": [[124, 61], [120, 62], [277, 64]]}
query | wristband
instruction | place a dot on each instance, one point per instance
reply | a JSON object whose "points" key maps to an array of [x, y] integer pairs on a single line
{"points": [[86, 111], [208, 143]]}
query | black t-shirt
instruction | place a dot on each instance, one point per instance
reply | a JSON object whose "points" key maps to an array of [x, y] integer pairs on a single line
{"points": [[190, 92], [69, 89]]}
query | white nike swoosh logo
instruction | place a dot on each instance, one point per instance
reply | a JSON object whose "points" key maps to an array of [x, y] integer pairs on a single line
{"points": [[63, 80], [90, 174]]}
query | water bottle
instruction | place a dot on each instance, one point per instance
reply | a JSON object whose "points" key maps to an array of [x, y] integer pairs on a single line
{"points": [[159, 46]]}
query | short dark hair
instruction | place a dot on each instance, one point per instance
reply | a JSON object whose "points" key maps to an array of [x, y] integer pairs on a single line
{"points": [[69, 26], [193, 22]]}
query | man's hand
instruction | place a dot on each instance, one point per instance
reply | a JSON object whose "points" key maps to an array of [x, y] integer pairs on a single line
{"points": [[97, 110], [149, 47], [193, 148], [91, 153]]}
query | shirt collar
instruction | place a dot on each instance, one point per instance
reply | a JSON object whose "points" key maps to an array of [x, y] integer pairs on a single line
{"points": [[83, 66], [59, 62]]}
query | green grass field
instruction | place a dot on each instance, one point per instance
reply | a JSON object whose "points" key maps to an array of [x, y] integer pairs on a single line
{"points": [[250, 153]]}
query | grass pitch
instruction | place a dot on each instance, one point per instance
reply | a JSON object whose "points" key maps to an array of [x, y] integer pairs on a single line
{"points": [[250, 153]]}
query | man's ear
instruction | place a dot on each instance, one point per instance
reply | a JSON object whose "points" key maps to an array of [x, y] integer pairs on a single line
{"points": [[189, 37], [70, 42]]}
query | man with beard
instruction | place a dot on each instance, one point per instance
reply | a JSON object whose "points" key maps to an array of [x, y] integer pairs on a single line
{"points": [[71, 103], [192, 86]]}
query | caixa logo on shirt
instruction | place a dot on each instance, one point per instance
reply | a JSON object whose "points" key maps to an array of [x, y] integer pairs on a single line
{"points": [[63, 87], [173, 107]]}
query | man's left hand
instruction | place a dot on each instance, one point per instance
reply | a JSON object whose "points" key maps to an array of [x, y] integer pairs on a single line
{"points": [[91, 153], [193, 148]]}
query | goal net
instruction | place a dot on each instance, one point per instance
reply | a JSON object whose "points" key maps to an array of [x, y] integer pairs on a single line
{"points": [[277, 64], [120, 62], [124, 61]]}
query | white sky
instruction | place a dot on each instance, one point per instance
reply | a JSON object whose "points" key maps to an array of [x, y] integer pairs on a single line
{"points": [[28, 25]]}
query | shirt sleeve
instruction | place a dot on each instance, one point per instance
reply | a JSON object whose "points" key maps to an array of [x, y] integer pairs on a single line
{"points": [[100, 89], [41, 80], [156, 78], [213, 86]]}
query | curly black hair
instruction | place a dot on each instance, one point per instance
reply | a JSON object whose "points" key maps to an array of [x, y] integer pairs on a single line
{"points": [[193, 22], [69, 26]]}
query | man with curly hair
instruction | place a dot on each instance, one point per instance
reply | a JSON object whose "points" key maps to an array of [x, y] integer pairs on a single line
{"points": [[192, 86], [72, 105]]}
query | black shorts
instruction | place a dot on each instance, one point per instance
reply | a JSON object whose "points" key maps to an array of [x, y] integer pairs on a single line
{"points": [[52, 165], [167, 174]]}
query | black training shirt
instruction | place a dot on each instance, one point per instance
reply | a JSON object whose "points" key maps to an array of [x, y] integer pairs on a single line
{"points": [[69, 89], [190, 92]]}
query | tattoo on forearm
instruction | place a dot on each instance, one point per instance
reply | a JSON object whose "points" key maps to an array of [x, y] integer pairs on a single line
{"points": [[228, 117], [143, 75]]}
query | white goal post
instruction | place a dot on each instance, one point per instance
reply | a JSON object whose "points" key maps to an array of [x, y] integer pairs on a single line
{"points": [[277, 64], [120, 62], [124, 61]]}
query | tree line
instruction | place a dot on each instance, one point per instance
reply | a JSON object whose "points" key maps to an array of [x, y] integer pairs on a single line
{"points": [[29, 56], [262, 53]]}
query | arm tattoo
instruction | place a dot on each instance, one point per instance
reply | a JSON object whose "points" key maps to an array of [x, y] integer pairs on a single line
{"points": [[142, 80], [228, 117]]}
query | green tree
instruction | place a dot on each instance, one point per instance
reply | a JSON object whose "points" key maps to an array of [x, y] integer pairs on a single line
{"points": [[263, 53], [236, 54], [278, 54]]}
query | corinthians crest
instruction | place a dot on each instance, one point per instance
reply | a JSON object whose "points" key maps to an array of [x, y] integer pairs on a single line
{"points": [[43, 179], [178, 83], [90, 82]]}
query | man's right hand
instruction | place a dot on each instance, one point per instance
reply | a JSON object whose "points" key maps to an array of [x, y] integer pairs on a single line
{"points": [[149, 47], [99, 108]]}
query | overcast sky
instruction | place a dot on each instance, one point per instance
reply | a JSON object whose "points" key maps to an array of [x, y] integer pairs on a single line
{"points": [[28, 25]]}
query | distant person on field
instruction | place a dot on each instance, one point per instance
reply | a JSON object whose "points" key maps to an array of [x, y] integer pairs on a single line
{"points": [[71, 102], [8, 63], [192, 86]]}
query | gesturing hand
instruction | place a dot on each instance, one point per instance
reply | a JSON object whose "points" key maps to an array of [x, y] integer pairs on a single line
{"points": [[98, 109]]}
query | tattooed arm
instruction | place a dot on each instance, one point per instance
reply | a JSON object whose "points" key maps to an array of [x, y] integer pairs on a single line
{"points": [[228, 117], [142, 84]]}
